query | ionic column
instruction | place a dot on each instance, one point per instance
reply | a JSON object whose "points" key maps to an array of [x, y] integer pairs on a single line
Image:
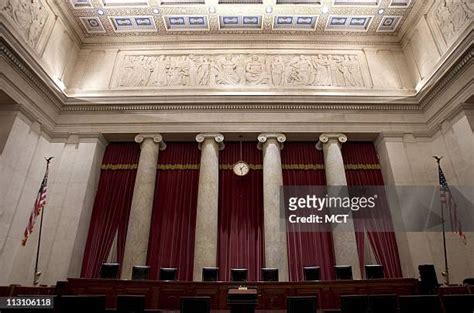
{"points": [[276, 254], [205, 246], [345, 246], [138, 232]]}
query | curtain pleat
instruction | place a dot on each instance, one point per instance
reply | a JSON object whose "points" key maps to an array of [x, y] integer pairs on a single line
{"points": [[111, 209], [240, 224], [381, 235], [311, 246], [173, 222]]}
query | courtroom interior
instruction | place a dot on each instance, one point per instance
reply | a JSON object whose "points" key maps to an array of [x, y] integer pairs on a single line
{"points": [[163, 155]]}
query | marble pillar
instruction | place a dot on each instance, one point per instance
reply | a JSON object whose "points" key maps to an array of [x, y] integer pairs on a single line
{"points": [[205, 246], [276, 253], [138, 232], [345, 246]]}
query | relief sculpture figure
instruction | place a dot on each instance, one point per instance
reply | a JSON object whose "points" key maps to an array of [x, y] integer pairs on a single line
{"points": [[301, 71], [277, 71], [227, 74], [255, 72], [29, 15], [452, 15]]}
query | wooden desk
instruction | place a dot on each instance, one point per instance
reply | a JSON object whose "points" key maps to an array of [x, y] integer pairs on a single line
{"points": [[242, 300], [271, 295]]}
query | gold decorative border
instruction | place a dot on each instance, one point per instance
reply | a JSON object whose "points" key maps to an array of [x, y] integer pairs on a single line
{"points": [[115, 167], [302, 166], [178, 166], [362, 166], [359, 166]]}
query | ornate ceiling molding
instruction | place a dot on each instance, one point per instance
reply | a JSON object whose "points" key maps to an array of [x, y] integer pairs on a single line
{"points": [[158, 13], [34, 79], [315, 107]]}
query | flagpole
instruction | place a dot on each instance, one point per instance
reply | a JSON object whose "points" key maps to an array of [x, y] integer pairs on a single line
{"points": [[37, 273], [446, 268]]}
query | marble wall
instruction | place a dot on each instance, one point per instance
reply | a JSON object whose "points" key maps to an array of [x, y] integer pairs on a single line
{"points": [[71, 190], [407, 161]]}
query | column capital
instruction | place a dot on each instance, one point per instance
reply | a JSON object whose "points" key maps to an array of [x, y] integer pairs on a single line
{"points": [[218, 138], [324, 138], [263, 137], [157, 138]]}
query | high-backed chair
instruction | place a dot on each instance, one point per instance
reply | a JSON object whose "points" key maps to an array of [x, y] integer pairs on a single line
{"points": [[269, 274], [195, 304], [109, 271], [354, 304], [383, 303], [468, 282], [428, 279], [374, 271], [80, 304], [301, 304], [458, 303], [238, 274], [168, 273], [343, 272], [130, 304], [420, 303], [312, 273], [140, 272], [210, 274]]}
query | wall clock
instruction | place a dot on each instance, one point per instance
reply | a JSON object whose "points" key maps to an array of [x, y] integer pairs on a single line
{"points": [[241, 168]]}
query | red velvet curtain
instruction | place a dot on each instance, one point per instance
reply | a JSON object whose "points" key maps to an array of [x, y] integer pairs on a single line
{"points": [[306, 248], [363, 168], [240, 241], [111, 207], [173, 221]]}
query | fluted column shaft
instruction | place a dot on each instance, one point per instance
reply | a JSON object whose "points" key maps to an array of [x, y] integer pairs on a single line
{"points": [[138, 232], [276, 254], [345, 245], [205, 246]]}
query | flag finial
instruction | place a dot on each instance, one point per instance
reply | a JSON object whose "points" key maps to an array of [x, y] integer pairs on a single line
{"points": [[437, 158]]}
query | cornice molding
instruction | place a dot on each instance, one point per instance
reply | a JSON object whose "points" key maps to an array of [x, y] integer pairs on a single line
{"points": [[9, 54], [241, 106], [462, 63]]}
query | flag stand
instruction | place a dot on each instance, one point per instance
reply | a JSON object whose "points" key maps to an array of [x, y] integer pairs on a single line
{"points": [[446, 268], [37, 273]]}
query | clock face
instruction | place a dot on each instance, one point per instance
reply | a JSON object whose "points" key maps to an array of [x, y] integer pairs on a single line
{"points": [[241, 168]]}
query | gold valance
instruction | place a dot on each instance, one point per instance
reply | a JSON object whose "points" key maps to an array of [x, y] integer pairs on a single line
{"points": [[302, 166], [119, 166], [178, 166], [230, 166], [362, 166]]}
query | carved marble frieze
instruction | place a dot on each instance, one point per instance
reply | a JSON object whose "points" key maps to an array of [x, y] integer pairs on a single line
{"points": [[28, 16], [241, 70], [452, 16]]}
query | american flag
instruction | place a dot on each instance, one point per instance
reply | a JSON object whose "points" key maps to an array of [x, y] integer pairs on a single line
{"points": [[38, 206], [447, 201]]}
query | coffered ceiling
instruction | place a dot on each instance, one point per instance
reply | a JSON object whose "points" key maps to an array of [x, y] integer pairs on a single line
{"points": [[308, 18]]}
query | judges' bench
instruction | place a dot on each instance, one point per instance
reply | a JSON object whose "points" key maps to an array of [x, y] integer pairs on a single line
{"points": [[271, 295]]}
